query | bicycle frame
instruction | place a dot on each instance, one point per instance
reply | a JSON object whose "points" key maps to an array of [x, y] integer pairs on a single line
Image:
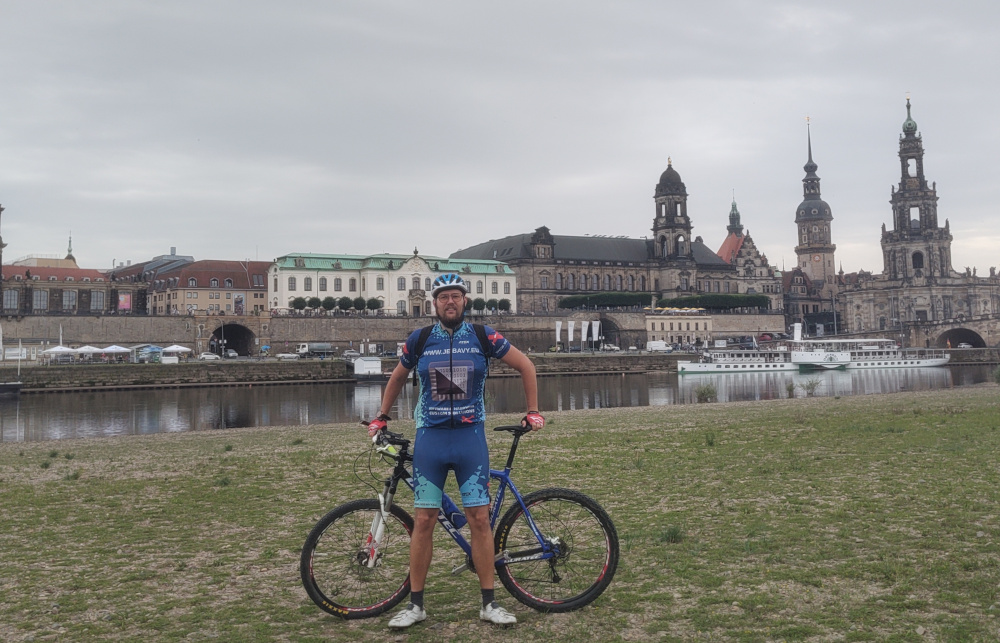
{"points": [[546, 549]]}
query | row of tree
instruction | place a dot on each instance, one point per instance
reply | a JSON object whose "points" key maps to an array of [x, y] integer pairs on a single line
{"points": [[360, 303]]}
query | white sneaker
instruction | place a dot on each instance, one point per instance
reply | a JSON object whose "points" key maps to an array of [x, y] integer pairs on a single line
{"points": [[407, 617], [497, 615]]}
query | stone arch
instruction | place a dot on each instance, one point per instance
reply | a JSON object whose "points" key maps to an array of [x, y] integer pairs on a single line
{"points": [[958, 336], [235, 336]]}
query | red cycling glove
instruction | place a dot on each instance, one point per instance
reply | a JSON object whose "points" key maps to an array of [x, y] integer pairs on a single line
{"points": [[533, 419], [378, 424]]}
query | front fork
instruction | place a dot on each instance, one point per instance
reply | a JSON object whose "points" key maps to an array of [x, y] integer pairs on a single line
{"points": [[376, 533]]}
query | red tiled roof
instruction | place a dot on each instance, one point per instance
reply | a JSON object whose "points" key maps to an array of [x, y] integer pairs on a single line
{"points": [[204, 271], [730, 247], [43, 274]]}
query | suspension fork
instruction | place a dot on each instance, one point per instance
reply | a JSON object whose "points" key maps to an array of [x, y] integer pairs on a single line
{"points": [[376, 533]]}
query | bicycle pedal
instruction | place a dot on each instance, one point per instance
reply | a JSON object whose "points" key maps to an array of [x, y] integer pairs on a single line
{"points": [[458, 570]]}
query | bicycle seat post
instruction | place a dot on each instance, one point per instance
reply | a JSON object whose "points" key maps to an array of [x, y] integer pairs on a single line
{"points": [[513, 450]]}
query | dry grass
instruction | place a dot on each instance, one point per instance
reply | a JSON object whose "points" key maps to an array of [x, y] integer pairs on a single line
{"points": [[820, 519]]}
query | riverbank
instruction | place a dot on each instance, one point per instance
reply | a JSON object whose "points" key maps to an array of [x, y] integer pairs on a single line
{"points": [[863, 518]]}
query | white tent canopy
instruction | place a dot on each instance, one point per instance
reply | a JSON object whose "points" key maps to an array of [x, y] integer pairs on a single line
{"points": [[59, 350], [176, 349], [115, 348], [89, 350]]}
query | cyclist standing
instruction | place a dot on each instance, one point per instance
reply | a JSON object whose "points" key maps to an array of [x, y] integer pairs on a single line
{"points": [[450, 416]]}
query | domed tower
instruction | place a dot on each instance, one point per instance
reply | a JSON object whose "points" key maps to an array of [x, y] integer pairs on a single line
{"points": [[671, 225], [916, 247], [813, 219]]}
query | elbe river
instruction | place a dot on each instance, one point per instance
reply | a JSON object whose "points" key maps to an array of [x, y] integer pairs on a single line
{"points": [[56, 416]]}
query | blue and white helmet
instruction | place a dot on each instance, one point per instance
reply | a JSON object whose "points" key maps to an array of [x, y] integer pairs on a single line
{"points": [[449, 281]]}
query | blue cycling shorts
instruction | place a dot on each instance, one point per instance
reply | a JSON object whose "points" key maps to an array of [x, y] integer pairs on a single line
{"points": [[463, 451]]}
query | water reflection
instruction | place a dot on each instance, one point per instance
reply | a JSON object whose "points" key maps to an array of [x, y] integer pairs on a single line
{"points": [[82, 415]]}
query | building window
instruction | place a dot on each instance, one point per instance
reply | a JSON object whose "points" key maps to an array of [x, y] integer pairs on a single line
{"points": [[229, 283], [506, 287], [307, 284], [479, 287], [337, 284], [69, 300], [379, 283], [275, 284], [401, 283], [352, 284], [727, 286], [291, 283], [918, 260], [495, 288], [97, 300], [427, 283], [543, 282], [607, 282], [416, 283], [631, 282], [559, 281], [40, 300], [401, 307], [322, 284], [192, 282], [618, 282], [364, 287], [213, 283]]}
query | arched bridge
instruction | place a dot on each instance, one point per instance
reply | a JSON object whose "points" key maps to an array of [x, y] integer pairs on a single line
{"points": [[978, 332]]}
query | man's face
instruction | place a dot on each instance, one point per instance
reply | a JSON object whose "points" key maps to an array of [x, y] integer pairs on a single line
{"points": [[450, 305]]}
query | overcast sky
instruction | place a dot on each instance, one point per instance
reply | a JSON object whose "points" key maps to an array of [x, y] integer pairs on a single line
{"points": [[253, 129]]}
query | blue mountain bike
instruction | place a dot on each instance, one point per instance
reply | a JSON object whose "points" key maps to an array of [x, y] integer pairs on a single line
{"points": [[556, 549]]}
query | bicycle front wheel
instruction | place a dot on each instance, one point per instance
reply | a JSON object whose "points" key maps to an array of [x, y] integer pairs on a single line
{"points": [[336, 566], [585, 544]]}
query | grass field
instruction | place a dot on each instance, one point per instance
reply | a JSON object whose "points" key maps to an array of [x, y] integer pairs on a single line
{"points": [[870, 518]]}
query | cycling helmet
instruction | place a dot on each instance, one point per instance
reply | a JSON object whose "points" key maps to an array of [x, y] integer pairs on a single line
{"points": [[446, 282]]}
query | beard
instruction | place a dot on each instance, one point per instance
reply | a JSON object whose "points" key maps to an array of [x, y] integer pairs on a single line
{"points": [[452, 323]]}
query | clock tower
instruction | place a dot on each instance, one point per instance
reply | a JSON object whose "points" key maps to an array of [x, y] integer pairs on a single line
{"points": [[813, 219]]}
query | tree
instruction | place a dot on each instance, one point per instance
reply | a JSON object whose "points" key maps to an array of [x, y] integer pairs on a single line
{"points": [[373, 304], [492, 304], [314, 302], [606, 300], [329, 303], [478, 304], [345, 304], [718, 301], [504, 305], [299, 303], [359, 303]]}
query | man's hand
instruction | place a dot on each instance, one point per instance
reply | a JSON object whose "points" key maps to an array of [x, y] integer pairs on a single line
{"points": [[378, 424], [533, 419]]}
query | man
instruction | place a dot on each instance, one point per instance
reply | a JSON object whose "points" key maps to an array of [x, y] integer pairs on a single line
{"points": [[450, 418]]}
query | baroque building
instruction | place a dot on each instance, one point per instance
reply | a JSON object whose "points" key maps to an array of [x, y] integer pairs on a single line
{"points": [[671, 264], [401, 283], [917, 282]]}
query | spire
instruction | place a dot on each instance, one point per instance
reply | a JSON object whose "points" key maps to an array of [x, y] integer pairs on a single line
{"points": [[810, 184], [69, 251], [735, 227], [810, 167], [909, 125]]}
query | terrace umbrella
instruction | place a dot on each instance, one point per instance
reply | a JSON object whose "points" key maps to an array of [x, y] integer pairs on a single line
{"points": [[59, 350], [115, 348], [89, 350], [176, 349]]}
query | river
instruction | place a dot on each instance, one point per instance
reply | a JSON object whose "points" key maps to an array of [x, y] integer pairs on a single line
{"points": [[56, 416]]}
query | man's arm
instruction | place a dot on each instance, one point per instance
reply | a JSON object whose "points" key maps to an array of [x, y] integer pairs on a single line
{"points": [[520, 363], [392, 388]]}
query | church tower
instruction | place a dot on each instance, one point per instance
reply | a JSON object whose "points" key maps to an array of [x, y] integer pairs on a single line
{"points": [[916, 250], [671, 225], [813, 218]]}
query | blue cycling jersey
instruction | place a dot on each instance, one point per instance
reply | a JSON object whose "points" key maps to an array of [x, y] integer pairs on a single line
{"points": [[452, 373]]}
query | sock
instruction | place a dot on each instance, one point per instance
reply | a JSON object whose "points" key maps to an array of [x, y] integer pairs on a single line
{"points": [[417, 598], [487, 596]]}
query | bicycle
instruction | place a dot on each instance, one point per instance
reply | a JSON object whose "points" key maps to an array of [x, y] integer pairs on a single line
{"points": [[556, 549]]}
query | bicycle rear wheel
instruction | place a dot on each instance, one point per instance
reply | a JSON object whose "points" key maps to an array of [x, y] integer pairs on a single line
{"points": [[586, 543], [334, 564]]}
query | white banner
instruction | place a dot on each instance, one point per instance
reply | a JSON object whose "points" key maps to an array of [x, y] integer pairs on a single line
{"points": [[583, 330], [596, 332], [570, 331], [558, 331]]}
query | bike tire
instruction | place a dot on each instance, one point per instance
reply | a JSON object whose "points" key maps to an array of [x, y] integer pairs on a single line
{"points": [[586, 564], [333, 574]]}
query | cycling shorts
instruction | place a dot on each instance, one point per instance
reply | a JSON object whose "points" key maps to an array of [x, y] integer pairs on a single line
{"points": [[463, 451]]}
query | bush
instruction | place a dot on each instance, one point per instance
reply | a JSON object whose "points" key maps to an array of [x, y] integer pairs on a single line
{"points": [[299, 303], [996, 375], [345, 303], [359, 303], [314, 302], [329, 303], [606, 300], [705, 393], [504, 305], [373, 304]]}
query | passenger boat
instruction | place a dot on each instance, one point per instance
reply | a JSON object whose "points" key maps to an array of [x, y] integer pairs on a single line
{"points": [[862, 353], [726, 360]]}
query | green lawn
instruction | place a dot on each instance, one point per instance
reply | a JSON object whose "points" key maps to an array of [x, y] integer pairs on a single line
{"points": [[873, 518]]}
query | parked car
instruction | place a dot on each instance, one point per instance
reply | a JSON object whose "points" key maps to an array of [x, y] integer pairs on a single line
{"points": [[610, 347], [965, 345], [231, 354], [350, 355], [209, 356], [284, 356]]}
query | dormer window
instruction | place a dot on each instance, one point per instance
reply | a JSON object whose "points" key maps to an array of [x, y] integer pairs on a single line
{"points": [[192, 282], [229, 283], [18, 277], [69, 278], [87, 279], [52, 278], [213, 283]]}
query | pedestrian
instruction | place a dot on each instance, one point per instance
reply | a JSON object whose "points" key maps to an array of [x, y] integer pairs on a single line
{"points": [[450, 417]]}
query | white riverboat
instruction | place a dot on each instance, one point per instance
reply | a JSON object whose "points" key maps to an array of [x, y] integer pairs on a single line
{"points": [[740, 361], [862, 353]]}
